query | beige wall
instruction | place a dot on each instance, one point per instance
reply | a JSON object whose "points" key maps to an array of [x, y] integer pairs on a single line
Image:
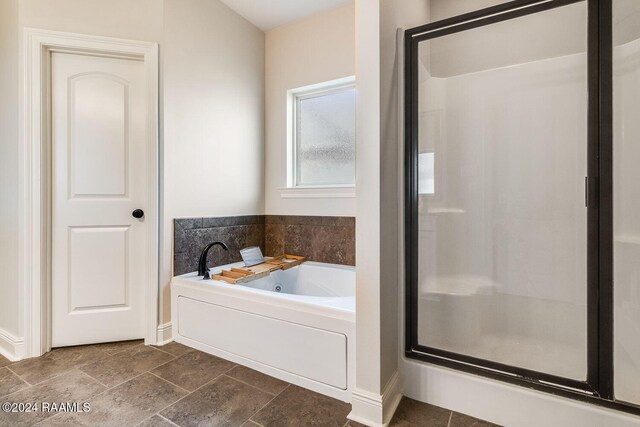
{"points": [[213, 75], [137, 20], [309, 51], [9, 219], [442, 9], [211, 112]]}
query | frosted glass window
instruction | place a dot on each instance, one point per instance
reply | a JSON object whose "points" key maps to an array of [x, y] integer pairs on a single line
{"points": [[325, 143]]}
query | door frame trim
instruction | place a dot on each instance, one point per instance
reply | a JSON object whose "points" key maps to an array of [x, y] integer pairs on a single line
{"points": [[34, 170]]}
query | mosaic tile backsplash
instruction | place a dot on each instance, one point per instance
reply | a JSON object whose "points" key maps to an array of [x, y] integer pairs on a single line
{"points": [[319, 238]]}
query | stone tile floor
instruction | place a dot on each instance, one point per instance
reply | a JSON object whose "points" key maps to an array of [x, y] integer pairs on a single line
{"points": [[128, 384]]}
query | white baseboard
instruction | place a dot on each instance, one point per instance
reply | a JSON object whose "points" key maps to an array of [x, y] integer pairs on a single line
{"points": [[391, 397], [11, 347], [376, 410], [165, 335], [502, 403]]}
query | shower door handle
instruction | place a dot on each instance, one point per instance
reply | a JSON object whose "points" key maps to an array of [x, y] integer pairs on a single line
{"points": [[586, 191], [590, 185]]}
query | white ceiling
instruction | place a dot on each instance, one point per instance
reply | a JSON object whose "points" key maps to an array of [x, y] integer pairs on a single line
{"points": [[268, 14]]}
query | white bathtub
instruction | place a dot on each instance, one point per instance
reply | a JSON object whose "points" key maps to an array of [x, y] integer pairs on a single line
{"points": [[303, 334]]}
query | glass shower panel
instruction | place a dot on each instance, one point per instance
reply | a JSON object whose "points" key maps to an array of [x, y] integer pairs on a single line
{"points": [[502, 218], [626, 195]]}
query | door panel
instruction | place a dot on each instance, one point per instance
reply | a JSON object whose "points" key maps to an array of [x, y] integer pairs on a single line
{"points": [[98, 166], [99, 177], [109, 289]]}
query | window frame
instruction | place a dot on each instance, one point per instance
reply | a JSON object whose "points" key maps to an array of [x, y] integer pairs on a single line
{"points": [[294, 97]]}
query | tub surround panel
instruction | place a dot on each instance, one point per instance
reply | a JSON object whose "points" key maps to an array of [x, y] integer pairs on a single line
{"points": [[191, 235], [327, 239]]}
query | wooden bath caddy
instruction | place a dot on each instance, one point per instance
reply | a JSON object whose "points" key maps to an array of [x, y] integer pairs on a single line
{"points": [[258, 271]]}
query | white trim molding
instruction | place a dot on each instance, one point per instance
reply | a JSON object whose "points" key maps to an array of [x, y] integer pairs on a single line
{"points": [[34, 193], [165, 334], [333, 192], [376, 410], [11, 347]]}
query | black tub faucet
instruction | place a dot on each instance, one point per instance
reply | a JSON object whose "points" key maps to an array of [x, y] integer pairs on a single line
{"points": [[202, 262]]}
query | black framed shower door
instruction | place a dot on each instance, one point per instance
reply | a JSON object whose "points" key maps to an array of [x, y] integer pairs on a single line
{"points": [[597, 388]]}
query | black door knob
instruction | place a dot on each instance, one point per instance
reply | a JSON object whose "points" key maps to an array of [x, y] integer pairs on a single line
{"points": [[138, 213]]}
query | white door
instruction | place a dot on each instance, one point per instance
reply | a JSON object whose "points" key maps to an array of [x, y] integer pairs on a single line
{"points": [[99, 177]]}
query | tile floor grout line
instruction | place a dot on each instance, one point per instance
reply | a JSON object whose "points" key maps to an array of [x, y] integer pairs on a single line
{"points": [[76, 368], [59, 374], [156, 414], [58, 413], [168, 361], [190, 393], [450, 417], [250, 385], [120, 383], [95, 379], [50, 379], [265, 405], [186, 352], [100, 382], [166, 419], [117, 385], [105, 390], [172, 383], [39, 423], [7, 396], [88, 399], [216, 377], [210, 381], [170, 404], [20, 378]]}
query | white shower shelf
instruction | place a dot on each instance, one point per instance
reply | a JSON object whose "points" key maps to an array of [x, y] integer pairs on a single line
{"points": [[441, 211], [632, 239]]}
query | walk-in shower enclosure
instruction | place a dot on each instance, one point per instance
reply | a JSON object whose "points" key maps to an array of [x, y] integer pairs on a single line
{"points": [[522, 192]]}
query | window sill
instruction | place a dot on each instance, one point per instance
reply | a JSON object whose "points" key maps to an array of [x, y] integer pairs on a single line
{"points": [[337, 192]]}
